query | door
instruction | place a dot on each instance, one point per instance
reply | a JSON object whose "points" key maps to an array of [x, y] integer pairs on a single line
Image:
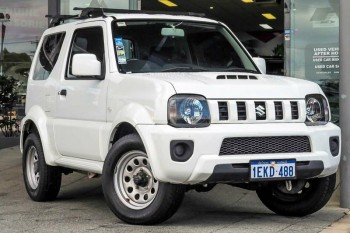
{"points": [[81, 101]]}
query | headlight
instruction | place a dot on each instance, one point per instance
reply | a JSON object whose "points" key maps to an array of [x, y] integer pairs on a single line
{"points": [[188, 111], [317, 112]]}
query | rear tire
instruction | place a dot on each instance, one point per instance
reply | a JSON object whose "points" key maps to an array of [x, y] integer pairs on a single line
{"points": [[42, 182], [310, 197], [130, 189]]}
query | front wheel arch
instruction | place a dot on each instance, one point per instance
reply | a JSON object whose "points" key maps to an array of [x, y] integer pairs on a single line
{"points": [[163, 206], [122, 130]]}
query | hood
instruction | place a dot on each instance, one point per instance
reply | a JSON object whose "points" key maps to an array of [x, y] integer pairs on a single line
{"points": [[237, 85]]}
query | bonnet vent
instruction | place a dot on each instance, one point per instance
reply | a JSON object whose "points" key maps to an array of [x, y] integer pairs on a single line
{"points": [[251, 77]]}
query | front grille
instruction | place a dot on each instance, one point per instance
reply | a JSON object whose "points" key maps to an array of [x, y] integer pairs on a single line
{"points": [[265, 145], [241, 111], [256, 111], [295, 110], [279, 110], [223, 111]]}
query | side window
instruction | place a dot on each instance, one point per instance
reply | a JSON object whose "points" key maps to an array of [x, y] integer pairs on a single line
{"points": [[48, 55], [86, 40]]}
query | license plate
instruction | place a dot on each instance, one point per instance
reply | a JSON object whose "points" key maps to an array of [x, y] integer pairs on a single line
{"points": [[272, 169]]}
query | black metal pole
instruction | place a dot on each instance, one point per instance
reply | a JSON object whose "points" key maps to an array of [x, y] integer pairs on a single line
{"points": [[3, 31], [53, 8], [344, 93]]}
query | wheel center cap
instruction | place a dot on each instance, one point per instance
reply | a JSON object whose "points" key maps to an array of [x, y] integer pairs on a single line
{"points": [[141, 179]]}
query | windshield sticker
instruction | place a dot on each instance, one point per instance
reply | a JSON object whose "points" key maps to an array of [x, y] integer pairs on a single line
{"points": [[121, 24], [119, 47]]}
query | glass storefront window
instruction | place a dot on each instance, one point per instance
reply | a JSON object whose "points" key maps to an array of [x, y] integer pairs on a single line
{"points": [[68, 5], [314, 46], [19, 36]]}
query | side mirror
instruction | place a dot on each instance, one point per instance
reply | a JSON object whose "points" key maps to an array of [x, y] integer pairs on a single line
{"points": [[261, 63], [86, 64]]}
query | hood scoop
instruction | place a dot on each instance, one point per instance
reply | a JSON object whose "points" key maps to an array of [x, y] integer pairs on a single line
{"points": [[251, 77]]}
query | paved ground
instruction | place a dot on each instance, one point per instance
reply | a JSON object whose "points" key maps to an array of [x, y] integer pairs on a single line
{"points": [[8, 142], [80, 207]]}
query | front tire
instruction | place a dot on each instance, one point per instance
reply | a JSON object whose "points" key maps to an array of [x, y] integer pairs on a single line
{"points": [[130, 189], [42, 182], [305, 198]]}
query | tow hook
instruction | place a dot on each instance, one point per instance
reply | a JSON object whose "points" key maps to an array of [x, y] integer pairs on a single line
{"points": [[289, 185]]}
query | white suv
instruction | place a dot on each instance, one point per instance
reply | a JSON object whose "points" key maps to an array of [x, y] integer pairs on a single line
{"points": [[159, 104]]}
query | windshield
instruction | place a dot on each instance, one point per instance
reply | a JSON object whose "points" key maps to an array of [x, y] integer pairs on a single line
{"points": [[177, 46]]}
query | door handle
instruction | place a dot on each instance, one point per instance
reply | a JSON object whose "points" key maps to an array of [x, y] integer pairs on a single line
{"points": [[63, 92]]}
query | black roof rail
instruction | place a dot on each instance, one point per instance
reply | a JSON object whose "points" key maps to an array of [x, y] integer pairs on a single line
{"points": [[91, 12], [58, 19], [85, 14]]}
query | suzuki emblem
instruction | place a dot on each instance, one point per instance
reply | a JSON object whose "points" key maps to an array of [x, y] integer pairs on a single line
{"points": [[260, 111]]}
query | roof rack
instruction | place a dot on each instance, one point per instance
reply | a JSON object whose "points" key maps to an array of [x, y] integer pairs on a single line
{"points": [[100, 12], [91, 12], [58, 19], [85, 14]]}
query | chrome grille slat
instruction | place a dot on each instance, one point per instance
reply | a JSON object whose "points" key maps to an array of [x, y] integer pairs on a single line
{"points": [[265, 145]]}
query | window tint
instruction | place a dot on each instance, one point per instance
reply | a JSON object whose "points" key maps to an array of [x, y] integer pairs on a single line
{"points": [[48, 55], [166, 46], [86, 40]]}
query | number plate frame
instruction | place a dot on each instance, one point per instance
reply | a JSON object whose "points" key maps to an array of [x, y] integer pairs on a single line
{"points": [[278, 163]]}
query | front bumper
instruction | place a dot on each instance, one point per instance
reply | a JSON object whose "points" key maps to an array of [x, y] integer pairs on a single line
{"points": [[239, 173], [206, 165]]}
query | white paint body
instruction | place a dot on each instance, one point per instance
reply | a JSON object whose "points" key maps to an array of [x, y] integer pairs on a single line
{"points": [[76, 129]]}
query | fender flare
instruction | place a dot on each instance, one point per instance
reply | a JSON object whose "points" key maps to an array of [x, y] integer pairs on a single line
{"points": [[39, 118]]}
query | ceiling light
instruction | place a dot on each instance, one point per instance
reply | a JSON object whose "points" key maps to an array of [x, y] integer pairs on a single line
{"points": [[248, 1], [167, 3], [265, 26], [211, 7], [269, 16]]}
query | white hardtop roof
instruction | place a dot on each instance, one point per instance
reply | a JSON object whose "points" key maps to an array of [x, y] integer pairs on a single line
{"points": [[128, 16]]}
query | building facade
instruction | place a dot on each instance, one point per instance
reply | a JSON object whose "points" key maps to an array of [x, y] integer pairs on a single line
{"points": [[308, 48]]}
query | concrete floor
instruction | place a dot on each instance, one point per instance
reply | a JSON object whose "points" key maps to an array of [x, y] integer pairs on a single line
{"points": [[80, 207]]}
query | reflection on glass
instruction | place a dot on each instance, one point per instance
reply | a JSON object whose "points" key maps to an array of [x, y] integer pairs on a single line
{"points": [[314, 52], [21, 36], [68, 5]]}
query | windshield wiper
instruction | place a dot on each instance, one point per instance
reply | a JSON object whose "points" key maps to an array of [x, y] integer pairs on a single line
{"points": [[200, 69], [184, 69], [235, 69]]}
